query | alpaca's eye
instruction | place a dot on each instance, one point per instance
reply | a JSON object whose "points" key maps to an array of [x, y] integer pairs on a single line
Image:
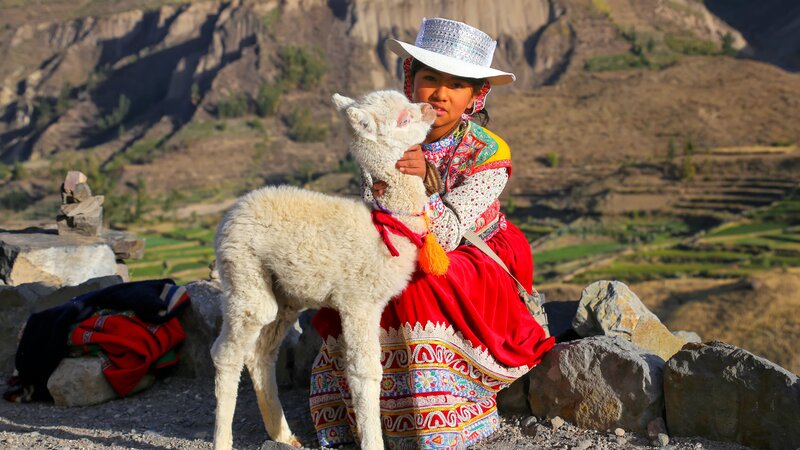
{"points": [[404, 119]]}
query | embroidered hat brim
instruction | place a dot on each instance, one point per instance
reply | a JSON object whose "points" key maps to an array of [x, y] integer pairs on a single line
{"points": [[450, 65]]}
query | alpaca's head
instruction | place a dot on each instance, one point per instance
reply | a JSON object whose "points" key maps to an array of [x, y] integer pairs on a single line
{"points": [[385, 124]]}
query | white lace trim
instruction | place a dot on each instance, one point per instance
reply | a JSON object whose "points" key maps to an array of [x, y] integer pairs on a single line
{"points": [[445, 334]]}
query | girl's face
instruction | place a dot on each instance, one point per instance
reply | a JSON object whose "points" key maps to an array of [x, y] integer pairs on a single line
{"points": [[449, 95]]}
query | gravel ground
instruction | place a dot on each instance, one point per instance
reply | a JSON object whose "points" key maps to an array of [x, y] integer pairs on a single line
{"points": [[178, 413]]}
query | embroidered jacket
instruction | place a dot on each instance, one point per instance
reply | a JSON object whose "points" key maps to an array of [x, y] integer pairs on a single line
{"points": [[474, 172]]}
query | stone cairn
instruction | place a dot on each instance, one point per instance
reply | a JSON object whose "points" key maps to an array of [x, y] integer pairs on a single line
{"points": [[81, 212]]}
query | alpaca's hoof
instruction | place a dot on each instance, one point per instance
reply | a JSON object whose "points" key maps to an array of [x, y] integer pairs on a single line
{"points": [[294, 442]]}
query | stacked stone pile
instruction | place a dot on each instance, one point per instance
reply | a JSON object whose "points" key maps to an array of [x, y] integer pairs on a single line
{"points": [[81, 212], [77, 250]]}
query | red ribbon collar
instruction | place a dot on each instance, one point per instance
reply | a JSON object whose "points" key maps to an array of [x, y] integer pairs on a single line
{"points": [[385, 222]]}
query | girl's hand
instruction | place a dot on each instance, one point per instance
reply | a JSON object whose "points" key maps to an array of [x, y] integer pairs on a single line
{"points": [[412, 162], [378, 189]]}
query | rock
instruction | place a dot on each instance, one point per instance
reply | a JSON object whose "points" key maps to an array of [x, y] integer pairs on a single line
{"points": [[201, 321], [619, 432], [87, 207], [17, 303], [72, 180], [599, 383], [123, 272], [583, 445], [531, 429], [610, 308], [207, 300], [81, 193], [721, 392], [656, 427], [556, 422], [688, 336], [53, 259], [89, 223], [272, 445], [514, 399], [80, 382], [124, 245], [661, 441], [81, 212]]}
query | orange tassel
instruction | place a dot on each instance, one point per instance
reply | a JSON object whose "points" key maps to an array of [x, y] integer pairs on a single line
{"points": [[432, 257]]}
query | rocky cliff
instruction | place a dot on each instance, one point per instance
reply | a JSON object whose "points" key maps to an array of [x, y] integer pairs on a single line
{"points": [[115, 82]]}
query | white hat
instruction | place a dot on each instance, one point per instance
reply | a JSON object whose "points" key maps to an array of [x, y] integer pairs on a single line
{"points": [[454, 48]]}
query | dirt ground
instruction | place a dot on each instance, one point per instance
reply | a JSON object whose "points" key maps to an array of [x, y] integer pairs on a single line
{"points": [[178, 413]]}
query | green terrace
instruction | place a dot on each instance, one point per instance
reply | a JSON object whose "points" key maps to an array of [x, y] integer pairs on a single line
{"points": [[183, 254], [640, 248]]}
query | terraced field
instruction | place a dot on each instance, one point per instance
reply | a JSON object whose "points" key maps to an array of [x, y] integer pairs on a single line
{"points": [[183, 254], [761, 240]]}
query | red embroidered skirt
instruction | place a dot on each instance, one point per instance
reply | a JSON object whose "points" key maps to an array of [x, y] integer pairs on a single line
{"points": [[449, 344]]}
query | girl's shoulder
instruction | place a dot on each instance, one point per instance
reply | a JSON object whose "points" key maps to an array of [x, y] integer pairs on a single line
{"points": [[488, 149]]}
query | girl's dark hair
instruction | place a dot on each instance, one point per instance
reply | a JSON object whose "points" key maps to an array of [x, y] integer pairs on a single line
{"points": [[482, 116]]}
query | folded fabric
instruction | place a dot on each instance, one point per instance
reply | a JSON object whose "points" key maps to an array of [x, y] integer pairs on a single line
{"points": [[44, 340], [130, 347]]}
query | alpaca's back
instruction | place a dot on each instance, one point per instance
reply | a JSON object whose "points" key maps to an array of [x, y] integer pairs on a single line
{"points": [[311, 244]]}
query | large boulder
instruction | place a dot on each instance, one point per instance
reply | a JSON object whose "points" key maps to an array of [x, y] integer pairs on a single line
{"points": [[45, 257], [725, 393], [80, 382], [610, 308], [599, 383], [17, 303]]}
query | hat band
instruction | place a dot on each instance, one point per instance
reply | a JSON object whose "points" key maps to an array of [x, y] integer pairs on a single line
{"points": [[456, 40]]}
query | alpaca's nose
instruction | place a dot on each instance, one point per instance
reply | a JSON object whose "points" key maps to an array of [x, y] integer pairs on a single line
{"points": [[428, 113]]}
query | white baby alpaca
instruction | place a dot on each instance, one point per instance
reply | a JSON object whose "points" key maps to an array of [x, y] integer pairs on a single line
{"points": [[281, 250]]}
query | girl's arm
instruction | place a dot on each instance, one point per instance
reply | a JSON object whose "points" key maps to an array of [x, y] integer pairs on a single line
{"points": [[461, 207]]}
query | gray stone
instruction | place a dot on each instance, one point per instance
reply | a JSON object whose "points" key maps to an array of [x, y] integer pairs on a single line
{"points": [[656, 427], [123, 272], [272, 445], [661, 441], [724, 393], [610, 308], [17, 303], [599, 383], [207, 300], [514, 399], [81, 193], [87, 224], [556, 422], [72, 180], [80, 382], [688, 336], [583, 444], [201, 321], [53, 259], [124, 245], [88, 207]]}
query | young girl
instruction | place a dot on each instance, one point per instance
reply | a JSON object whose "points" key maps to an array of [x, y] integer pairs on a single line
{"points": [[449, 343]]}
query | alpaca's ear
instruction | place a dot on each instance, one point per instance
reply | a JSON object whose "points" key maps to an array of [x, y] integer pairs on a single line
{"points": [[342, 102], [363, 123]]}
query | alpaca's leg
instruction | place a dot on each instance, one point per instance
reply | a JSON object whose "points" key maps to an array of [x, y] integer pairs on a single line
{"points": [[249, 306], [362, 353], [228, 354], [261, 365]]}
